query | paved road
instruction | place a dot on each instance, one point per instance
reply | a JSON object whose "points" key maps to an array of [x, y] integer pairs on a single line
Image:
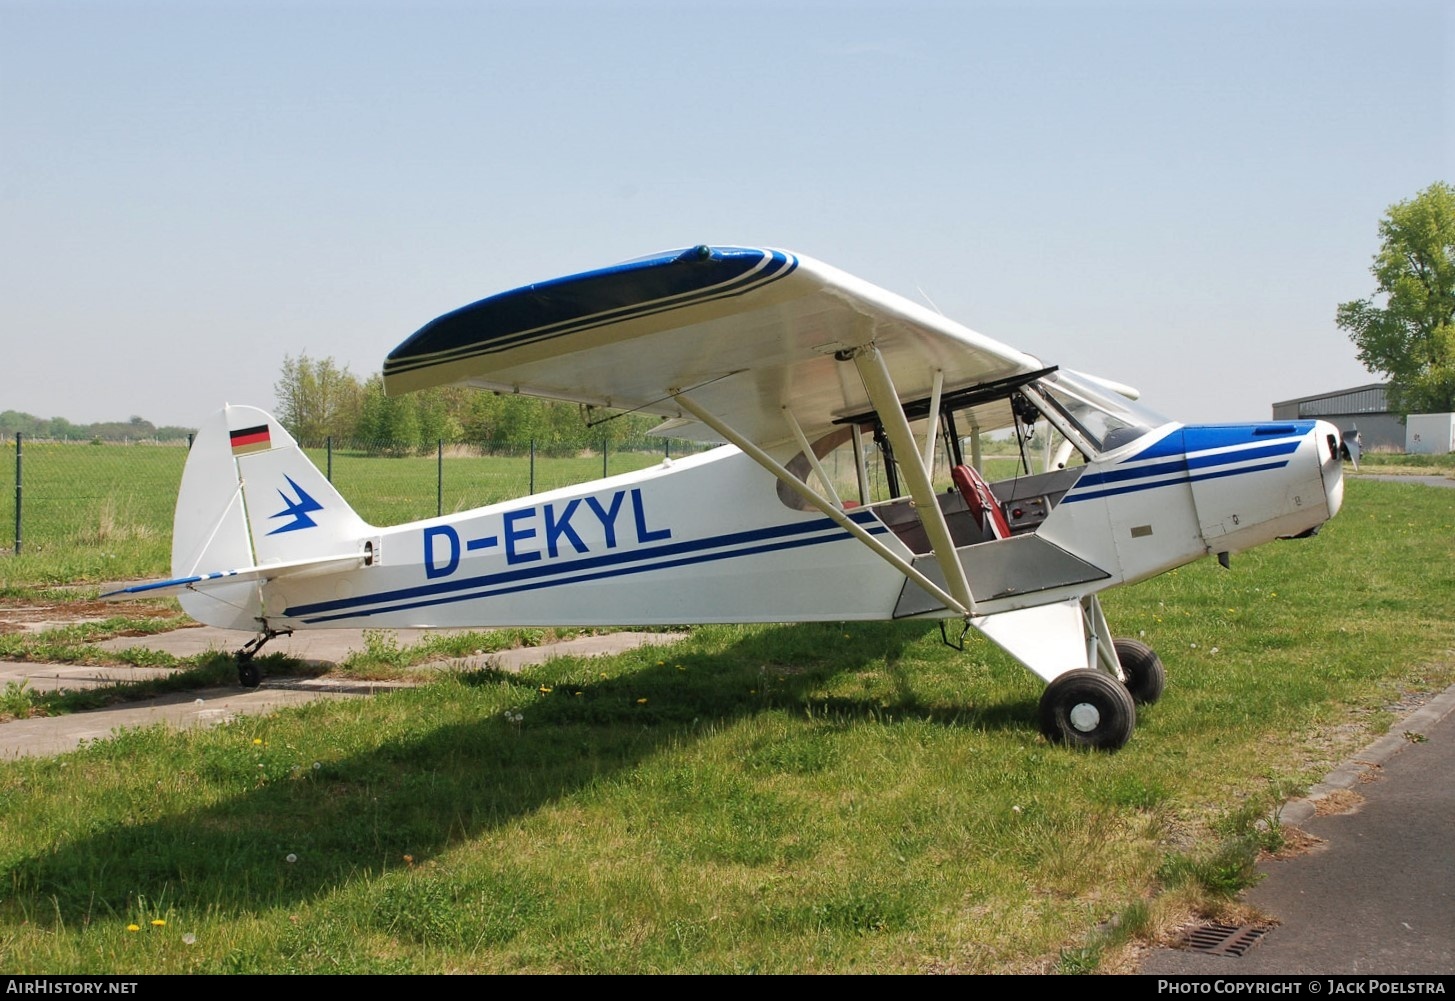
{"points": [[1433, 480], [1378, 896]]}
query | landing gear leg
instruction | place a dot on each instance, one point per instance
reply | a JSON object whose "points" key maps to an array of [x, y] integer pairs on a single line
{"points": [[249, 675], [1091, 707]]}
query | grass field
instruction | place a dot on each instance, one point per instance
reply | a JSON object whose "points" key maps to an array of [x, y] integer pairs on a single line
{"points": [[104, 512], [769, 799]]}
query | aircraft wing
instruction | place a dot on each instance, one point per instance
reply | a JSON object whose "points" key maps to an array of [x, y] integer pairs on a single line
{"points": [[745, 332]]}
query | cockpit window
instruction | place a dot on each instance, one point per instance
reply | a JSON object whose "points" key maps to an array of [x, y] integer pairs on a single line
{"points": [[1107, 419]]}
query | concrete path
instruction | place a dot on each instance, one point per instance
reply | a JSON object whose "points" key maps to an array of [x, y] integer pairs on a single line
{"points": [[209, 707]]}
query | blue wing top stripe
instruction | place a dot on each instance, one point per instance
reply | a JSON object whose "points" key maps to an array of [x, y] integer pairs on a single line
{"points": [[552, 572], [585, 301]]}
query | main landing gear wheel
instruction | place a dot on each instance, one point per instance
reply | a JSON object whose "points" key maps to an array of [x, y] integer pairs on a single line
{"points": [[1087, 709], [1146, 677]]}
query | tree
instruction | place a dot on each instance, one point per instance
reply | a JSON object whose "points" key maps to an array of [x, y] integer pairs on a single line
{"points": [[387, 425], [317, 399], [1411, 338]]}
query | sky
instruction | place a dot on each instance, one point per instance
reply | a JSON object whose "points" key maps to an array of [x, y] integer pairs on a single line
{"points": [[1175, 195]]}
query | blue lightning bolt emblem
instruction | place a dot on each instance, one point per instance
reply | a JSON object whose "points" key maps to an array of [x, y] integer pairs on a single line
{"points": [[297, 509]]}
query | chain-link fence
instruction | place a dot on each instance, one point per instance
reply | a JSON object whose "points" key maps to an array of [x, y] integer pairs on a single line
{"points": [[78, 511]]}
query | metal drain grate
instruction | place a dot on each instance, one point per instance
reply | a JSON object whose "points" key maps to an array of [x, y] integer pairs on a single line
{"points": [[1224, 940]]}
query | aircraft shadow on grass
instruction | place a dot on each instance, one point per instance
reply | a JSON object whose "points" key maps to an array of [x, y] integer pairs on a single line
{"points": [[409, 800]]}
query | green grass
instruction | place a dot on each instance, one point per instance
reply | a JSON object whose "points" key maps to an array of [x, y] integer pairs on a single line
{"points": [[388, 491], [768, 799], [1399, 463], [93, 513]]}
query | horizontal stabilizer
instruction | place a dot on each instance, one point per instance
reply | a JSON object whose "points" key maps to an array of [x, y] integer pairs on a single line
{"points": [[198, 582]]}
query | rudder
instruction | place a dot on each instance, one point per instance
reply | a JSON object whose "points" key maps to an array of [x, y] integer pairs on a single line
{"points": [[250, 497]]}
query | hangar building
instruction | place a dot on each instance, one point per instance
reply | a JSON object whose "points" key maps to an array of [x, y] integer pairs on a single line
{"points": [[1364, 407]]}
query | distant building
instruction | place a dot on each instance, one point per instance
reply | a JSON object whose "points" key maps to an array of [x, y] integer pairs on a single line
{"points": [[1364, 407]]}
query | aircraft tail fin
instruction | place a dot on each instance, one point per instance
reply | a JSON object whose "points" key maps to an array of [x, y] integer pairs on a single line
{"points": [[250, 500]]}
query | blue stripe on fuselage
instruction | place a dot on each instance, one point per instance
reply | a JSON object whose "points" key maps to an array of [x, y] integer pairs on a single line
{"points": [[548, 574], [1135, 479], [599, 575], [1133, 488]]}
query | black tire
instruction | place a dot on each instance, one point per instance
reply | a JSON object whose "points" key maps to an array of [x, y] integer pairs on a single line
{"points": [[1146, 677], [248, 674], [1087, 709]]}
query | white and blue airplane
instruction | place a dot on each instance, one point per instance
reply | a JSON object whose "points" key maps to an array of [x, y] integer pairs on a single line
{"points": [[843, 490]]}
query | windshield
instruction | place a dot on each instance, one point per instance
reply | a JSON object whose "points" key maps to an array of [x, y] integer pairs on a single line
{"points": [[1107, 419]]}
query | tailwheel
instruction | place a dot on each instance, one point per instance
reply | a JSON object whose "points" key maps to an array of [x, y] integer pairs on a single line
{"points": [[1087, 709], [1146, 677], [249, 675]]}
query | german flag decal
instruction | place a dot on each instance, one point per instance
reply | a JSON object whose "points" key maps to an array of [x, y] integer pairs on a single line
{"points": [[251, 440]]}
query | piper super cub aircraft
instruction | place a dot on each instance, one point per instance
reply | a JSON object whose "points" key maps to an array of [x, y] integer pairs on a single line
{"points": [[844, 491]]}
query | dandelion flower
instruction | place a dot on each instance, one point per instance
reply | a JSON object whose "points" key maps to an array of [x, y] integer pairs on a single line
{"points": [[158, 923], [257, 741], [290, 858], [544, 689], [133, 927], [641, 702], [189, 939]]}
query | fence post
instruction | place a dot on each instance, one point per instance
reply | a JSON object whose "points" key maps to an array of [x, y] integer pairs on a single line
{"points": [[532, 466], [603, 458], [17, 493], [190, 436], [439, 477], [328, 449], [666, 448]]}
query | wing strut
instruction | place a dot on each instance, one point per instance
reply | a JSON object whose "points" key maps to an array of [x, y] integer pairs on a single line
{"points": [[823, 504], [828, 484], [880, 388]]}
